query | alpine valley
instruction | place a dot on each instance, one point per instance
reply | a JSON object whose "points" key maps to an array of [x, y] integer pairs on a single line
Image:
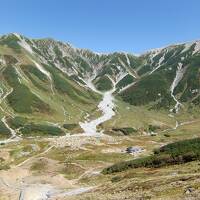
{"points": [[75, 124]]}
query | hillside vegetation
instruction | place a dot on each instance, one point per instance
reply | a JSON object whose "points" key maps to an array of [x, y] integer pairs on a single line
{"points": [[175, 153], [48, 80]]}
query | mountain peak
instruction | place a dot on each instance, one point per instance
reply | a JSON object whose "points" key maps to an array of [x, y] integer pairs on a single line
{"points": [[51, 40]]}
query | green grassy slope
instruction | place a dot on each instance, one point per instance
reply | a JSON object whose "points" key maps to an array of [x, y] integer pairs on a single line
{"points": [[28, 91], [63, 97], [154, 88], [22, 100]]}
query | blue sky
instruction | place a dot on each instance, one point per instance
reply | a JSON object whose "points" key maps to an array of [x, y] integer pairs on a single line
{"points": [[104, 25]]}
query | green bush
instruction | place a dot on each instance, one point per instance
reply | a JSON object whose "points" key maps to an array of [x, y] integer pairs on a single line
{"points": [[125, 130], [70, 126], [170, 154], [153, 128], [167, 135], [17, 122], [116, 179], [40, 129], [103, 83], [4, 131]]}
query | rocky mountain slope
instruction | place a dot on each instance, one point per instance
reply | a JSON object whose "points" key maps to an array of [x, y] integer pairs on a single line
{"points": [[47, 81]]}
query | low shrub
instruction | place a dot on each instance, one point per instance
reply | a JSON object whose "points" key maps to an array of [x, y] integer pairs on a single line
{"points": [[40, 129], [126, 130], [4, 131], [70, 126], [17, 122], [170, 154]]}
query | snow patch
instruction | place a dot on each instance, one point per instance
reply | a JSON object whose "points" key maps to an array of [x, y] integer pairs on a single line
{"points": [[127, 59], [179, 75], [154, 53], [120, 76], [126, 87], [187, 46], [89, 82], [45, 72], [22, 42], [2, 61], [197, 48], [159, 63], [107, 107]]}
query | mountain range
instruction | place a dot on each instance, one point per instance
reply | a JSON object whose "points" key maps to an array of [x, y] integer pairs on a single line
{"points": [[44, 81]]}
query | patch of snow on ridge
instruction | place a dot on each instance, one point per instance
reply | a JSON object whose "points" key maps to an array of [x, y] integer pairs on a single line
{"points": [[71, 71], [127, 59], [22, 42], [152, 53], [120, 76], [51, 52], [45, 73], [187, 46], [42, 69], [88, 80], [159, 63], [179, 75], [197, 47], [2, 61], [63, 50], [126, 87], [127, 69]]}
